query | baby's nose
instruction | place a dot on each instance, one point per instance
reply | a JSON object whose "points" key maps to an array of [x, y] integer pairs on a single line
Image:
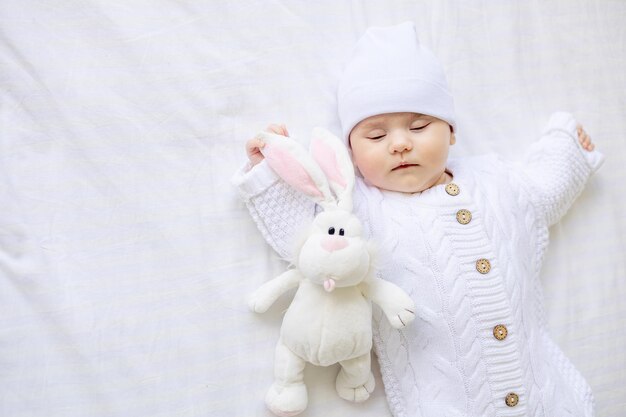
{"points": [[400, 143], [333, 243]]}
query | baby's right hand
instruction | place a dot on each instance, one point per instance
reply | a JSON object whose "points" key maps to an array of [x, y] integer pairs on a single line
{"points": [[254, 145], [584, 138]]}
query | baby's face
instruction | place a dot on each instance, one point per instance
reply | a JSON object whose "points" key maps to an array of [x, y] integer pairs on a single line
{"points": [[404, 152]]}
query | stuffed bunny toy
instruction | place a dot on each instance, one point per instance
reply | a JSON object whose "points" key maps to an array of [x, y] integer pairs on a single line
{"points": [[330, 318]]}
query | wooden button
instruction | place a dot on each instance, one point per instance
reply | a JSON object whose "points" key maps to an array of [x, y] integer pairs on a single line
{"points": [[463, 216], [500, 332], [512, 399], [452, 189], [483, 266]]}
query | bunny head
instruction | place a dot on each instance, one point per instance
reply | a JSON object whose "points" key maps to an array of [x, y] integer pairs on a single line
{"points": [[334, 253]]}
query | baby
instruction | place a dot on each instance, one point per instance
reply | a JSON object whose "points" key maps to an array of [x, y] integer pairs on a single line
{"points": [[466, 238]]}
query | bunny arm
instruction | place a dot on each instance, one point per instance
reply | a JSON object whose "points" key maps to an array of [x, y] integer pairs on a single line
{"points": [[269, 292], [395, 303]]}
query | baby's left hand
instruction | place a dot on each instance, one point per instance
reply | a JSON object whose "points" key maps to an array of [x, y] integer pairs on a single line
{"points": [[584, 138]]}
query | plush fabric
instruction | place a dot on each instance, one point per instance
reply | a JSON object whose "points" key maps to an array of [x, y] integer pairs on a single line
{"points": [[449, 362]]}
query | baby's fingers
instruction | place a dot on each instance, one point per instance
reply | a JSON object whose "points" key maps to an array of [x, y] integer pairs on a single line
{"points": [[588, 146], [254, 145], [279, 129], [585, 141], [584, 138], [253, 150]]}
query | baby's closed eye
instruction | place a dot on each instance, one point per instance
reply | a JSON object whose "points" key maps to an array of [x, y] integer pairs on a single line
{"points": [[378, 134], [417, 128]]}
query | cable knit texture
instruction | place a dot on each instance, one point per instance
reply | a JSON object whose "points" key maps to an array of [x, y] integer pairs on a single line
{"points": [[449, 362]]}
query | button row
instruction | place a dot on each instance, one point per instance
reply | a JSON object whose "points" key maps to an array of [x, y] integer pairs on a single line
{"points": [[483, 266]]}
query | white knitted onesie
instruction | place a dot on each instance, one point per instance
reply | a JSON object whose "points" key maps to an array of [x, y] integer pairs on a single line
{"points": [[472, 278]]}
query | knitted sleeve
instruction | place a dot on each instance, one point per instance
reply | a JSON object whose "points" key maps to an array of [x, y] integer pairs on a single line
{"points": [[279, 211], [557, 168]]}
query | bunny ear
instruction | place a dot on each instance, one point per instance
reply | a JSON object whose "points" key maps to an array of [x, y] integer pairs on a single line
{"points": [[333, 158], [294, 165]]}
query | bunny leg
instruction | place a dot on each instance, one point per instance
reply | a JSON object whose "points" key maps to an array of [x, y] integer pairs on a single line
{"points": [[287, 396], [355, 381]]}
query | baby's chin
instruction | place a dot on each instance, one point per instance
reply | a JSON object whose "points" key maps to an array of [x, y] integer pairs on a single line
{"points": [[406, 190], [405, 182], [399, 187]]}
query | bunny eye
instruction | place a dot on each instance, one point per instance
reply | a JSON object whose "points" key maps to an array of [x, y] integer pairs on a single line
{"points": [[331, 231], [341, 232]]}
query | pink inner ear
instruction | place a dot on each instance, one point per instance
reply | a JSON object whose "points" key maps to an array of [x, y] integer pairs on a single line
{"points": [[289, 169], [327, 160]]}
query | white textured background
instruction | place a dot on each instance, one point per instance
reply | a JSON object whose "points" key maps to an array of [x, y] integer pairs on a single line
{"points": [[125, 256]]}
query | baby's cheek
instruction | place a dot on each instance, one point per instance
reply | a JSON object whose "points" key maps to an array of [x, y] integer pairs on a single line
{"points": [[367, 171]]}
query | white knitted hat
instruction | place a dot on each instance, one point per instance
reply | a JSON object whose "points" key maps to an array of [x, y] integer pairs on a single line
{"points": [[391, 72]]}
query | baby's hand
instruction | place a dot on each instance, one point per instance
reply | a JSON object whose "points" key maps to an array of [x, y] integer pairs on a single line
{"points": [[254, 145], [584, 138]]}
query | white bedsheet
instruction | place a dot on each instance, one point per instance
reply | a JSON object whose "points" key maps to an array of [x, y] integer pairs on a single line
{"points": [[125, 255]]}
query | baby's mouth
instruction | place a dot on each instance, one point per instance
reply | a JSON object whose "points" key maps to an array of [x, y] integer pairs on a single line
{"points": [[405, 165]]}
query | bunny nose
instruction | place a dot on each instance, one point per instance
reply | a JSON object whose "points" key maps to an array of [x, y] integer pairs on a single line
{"points": [[333, 243]]}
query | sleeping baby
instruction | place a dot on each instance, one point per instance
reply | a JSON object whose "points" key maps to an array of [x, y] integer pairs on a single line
{"points": [[465, 237]]}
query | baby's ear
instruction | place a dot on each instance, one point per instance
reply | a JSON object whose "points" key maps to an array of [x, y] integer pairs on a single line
{"points": [[334, 159], [452, 136]]}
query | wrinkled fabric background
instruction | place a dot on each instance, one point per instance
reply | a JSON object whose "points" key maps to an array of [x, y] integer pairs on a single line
{"points": [[125, 254]]}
